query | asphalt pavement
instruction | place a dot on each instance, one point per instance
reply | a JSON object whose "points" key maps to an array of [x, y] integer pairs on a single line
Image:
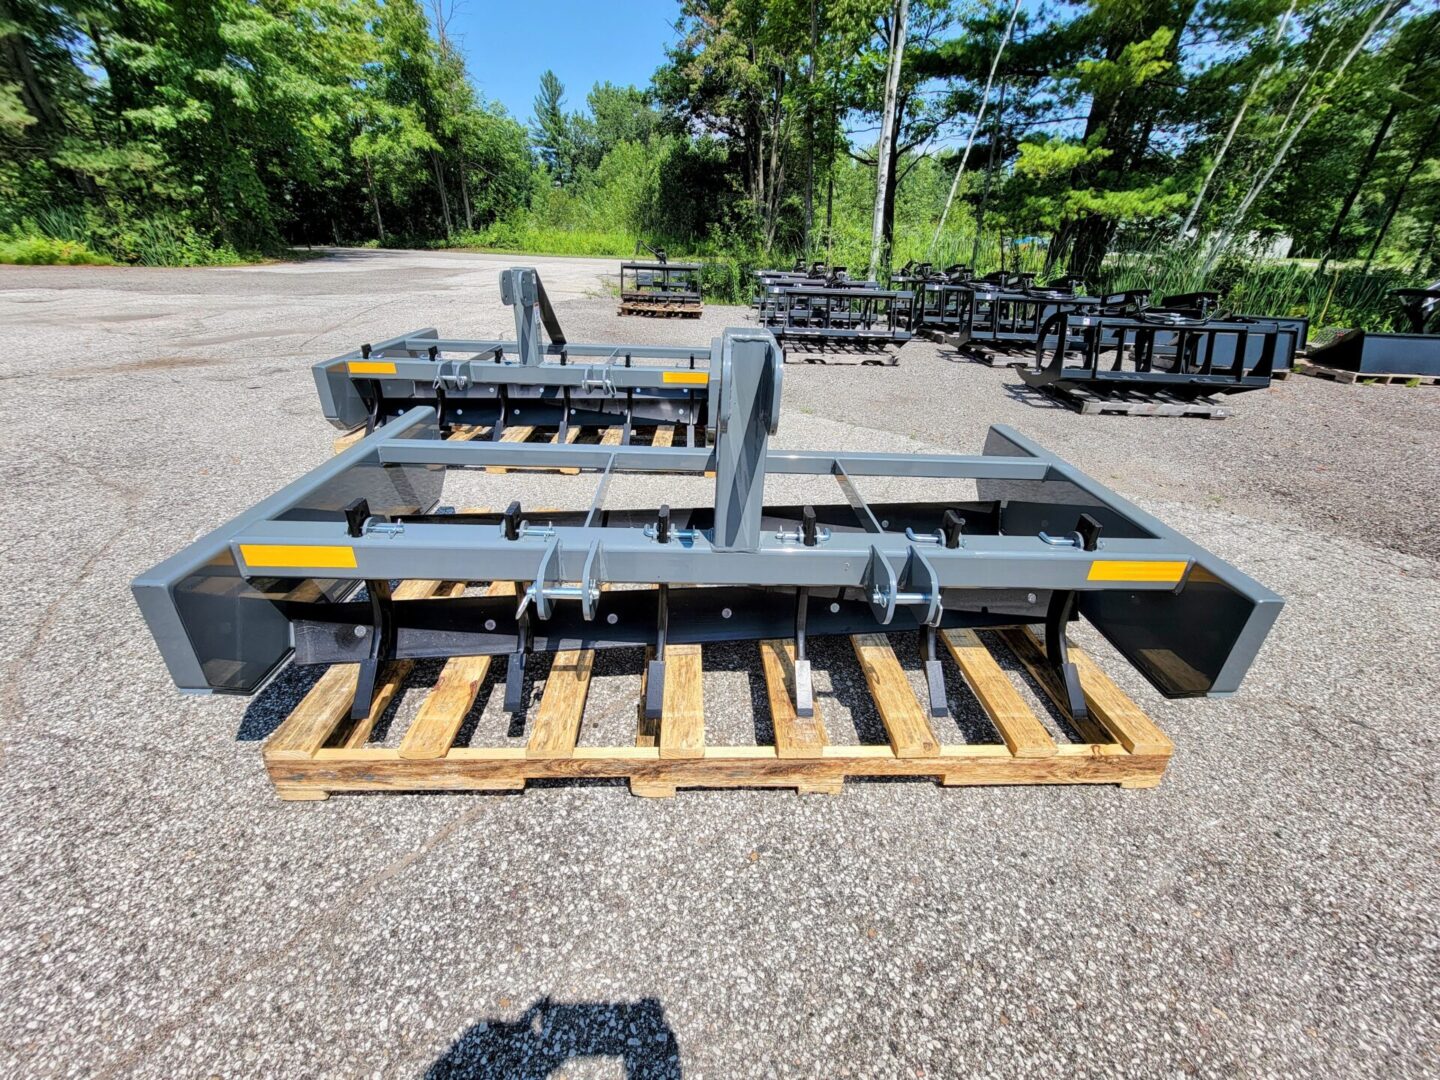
{"points": [[1271, 909]]}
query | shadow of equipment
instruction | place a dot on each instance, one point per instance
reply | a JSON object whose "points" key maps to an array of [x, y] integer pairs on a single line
{"points": [[550, 1034]]}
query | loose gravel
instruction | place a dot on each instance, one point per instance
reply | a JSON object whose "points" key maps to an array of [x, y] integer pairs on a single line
{"points": [[1270, 910]]}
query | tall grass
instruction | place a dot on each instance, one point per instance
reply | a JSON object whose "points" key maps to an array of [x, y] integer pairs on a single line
{"points": [[1344, 296], [70, 235]]}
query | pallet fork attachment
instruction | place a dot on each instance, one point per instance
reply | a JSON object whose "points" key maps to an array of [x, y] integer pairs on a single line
{"points": [[1040, 544]]}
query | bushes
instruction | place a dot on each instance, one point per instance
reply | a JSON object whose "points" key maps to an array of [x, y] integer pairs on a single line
{"points": [[34, 250], [74, 237]]}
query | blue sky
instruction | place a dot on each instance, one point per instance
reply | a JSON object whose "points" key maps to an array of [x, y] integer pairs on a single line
{"points": [[507, 45]]}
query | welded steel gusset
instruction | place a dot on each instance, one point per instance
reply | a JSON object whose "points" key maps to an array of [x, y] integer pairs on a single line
{"points": [[538, 379], [839, 317], [1034, 541], [1156, 352]]}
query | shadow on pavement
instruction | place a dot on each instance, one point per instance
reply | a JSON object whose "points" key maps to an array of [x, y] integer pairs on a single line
{"points": [[549, 1034]]}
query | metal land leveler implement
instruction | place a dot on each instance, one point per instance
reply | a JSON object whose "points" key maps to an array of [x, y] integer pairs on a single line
{"points": [[660, 287], [1040, 543], [528, 382]]}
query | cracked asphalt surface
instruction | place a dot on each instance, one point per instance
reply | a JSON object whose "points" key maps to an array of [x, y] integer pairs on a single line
{"points": [[1270, 910]]}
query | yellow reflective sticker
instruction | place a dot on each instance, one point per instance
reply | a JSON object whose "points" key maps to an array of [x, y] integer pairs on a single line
{"points": [[260, 556], [1130, 570], [693, 378], [371, 367]]}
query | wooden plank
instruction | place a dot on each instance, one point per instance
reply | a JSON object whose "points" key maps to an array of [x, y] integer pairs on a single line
{"points": [[444, 709], [320, 713], [900, 711], [1032, 655], [324, 713], [422, 589], [794, 737], [664, 435], [647, 729], [492, 768], [1017, 723], [612, 436], [557, 722], [682, 723], [571, 434], [514, 433], [1114, 717], [349, 439]]}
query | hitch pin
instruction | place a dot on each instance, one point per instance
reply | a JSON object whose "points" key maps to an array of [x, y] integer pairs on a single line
{"points": [[795, 536], [684, 536], [937, 537], [526, 531], [1072, 540]]}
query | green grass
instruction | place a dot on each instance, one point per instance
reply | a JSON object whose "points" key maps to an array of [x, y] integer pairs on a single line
{"points": [[526, 238]]}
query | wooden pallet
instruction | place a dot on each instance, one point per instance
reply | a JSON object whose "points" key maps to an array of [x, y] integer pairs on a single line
{"points": [[1340, 375], [1129, 403], [661, 435], [318, 751], [677, 311]]}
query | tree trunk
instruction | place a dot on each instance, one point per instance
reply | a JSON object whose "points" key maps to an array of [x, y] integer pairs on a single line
{"points": [[1092, 239], [1355, 188], [374, 199], [1260, 76], [465, 198], [440, 187], [1222, 241], [979, 116], [810, 126], [995, 134], [884, 163], [1422, 154]]}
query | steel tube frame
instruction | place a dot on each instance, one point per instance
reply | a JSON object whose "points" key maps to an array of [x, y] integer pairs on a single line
{"points": [[1046, 542]]}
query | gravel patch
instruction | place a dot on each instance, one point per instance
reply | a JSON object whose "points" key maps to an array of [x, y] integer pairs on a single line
{"points": [[1270, 910]]}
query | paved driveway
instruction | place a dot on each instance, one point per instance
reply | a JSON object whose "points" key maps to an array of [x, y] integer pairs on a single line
{"points": [[1271, 909]]}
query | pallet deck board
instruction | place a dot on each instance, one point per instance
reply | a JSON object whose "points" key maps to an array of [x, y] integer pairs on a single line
{"points": [[673, 310], [1013, 719], [1341, 375], [905, 722], [682, 723], [306, 761], [1114, 717], [795, 736], [557, 722], [444, 709]]}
